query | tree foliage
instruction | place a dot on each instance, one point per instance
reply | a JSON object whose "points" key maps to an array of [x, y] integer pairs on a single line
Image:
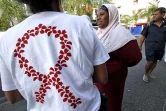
{"points": [[148, 12], [135, 16], [12, 13], [81, 7], [141, 13], [129, 20], [125, 19]]}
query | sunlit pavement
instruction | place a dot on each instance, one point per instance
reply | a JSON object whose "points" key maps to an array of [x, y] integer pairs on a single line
{"points": [[138, 95]]}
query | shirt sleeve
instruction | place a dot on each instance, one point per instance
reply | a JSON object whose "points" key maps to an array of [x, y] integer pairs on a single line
{"points": [[100, 53], [6, 78], [145, 31]]}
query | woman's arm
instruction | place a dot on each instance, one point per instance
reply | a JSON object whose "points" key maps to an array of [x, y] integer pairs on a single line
{"points": [[13, 96], [100, 74], [130, 53]]}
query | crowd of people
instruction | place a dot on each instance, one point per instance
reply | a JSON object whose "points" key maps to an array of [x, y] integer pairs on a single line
{"points": [[57, 61]]}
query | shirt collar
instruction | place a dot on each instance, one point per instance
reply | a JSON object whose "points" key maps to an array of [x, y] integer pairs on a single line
{"points": [[164, 21]]}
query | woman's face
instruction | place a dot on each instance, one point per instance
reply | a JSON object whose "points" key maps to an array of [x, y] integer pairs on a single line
{"points": [[102, 18]]}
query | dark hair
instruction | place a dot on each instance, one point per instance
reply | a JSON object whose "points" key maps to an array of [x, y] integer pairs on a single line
{"points": [[38, 5], [104, 8], [161, 10]]}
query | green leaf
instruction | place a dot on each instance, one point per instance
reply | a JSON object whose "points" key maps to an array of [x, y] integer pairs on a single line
{"points": [[12, 13]]}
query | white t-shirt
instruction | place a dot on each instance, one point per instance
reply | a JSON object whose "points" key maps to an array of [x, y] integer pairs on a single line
{"points": [[49, 58], [1, 33]]}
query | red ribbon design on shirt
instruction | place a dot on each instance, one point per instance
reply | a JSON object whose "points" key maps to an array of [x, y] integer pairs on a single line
{"points": [[52, 77]]}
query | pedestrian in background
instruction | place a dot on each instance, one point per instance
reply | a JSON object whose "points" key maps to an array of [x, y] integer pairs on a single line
{"points": [[51, 59], [124, 52], [154, 35]]}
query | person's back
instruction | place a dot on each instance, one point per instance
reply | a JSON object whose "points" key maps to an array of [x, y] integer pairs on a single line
{"points": [[49, 58]]}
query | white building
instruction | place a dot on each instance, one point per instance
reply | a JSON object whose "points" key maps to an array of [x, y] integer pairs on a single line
{"points": [[128, 5], [162, 3]]}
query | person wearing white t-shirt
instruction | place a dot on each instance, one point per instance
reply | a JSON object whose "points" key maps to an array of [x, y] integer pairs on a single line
{"points": [[1, 33], [52, 59]]}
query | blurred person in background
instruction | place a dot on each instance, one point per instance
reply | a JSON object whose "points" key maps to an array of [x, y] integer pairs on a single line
{"points": [[154, 35]]}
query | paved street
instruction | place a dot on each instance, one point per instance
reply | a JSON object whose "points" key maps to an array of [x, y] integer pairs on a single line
{"points": [[1, 93], [141, 96], [138, 96]]}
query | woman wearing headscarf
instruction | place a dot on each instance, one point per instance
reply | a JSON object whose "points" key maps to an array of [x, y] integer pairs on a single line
{"points": [[123, 50], [51, 60]]}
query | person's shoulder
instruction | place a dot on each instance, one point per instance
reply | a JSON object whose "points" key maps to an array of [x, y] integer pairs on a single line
{"points": [[78, 21], [165, 20], [7, 32], [1, 34], [69, 15], [74, 17], [150, 23]]}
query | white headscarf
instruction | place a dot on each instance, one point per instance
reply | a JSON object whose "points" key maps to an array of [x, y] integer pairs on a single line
{"points": [[114, 36]]}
